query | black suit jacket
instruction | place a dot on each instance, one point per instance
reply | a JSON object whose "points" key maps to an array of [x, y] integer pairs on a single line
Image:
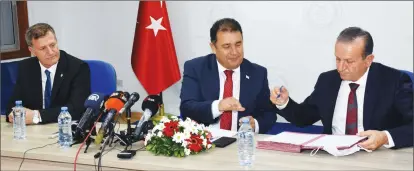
{"points": [[201, 86], [388, 103], [71, 87]]}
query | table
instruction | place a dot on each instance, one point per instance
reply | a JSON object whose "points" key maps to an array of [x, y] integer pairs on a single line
{"points": [[53, 158]]}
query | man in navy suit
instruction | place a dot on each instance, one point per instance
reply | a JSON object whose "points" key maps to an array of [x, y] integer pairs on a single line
{"points": [[361, 97], [220, 88]]}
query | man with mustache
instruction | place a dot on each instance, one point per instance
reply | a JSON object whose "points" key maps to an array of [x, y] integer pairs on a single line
{"points": [[50, 80], [220, 88], [361, 97]]}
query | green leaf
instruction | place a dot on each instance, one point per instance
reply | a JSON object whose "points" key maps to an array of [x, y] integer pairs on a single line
{"points": [[182, 153]]}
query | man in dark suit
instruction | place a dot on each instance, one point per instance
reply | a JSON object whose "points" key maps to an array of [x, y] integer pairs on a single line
{"points": [[218, 89], [50, 80], [361, 97]]}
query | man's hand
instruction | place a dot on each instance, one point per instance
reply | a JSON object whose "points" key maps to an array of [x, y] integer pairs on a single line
{"points": [[375, 139], [29, 116], [230, 104], [279, 96], [251, 121]]}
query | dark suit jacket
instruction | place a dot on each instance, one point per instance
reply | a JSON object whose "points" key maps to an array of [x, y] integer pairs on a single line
{"points": [[201, 86], [388, 103], [70, 90]]}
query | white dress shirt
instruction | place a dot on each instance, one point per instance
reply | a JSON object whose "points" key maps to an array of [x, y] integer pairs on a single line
{"points": [[341, 106], [236, 94], [52, 71]]}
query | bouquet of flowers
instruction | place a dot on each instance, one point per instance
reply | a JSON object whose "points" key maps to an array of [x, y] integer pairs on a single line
{"points": [[175, 137]]}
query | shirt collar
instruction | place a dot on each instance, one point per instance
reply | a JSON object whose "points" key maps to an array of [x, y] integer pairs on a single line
{"points": [[51, 69], [221, 69], [361, 81]]}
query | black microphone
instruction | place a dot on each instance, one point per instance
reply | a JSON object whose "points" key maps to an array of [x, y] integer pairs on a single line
{"points": [[150, 105], [93, 107], [112, 105], [132, 99]]}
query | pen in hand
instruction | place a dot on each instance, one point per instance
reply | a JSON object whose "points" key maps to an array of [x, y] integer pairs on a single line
{"points": [[280, 92]]}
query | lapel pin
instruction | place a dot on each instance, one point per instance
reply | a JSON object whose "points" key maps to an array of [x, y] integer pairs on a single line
{"points": [[247, 77], [61, 75]]}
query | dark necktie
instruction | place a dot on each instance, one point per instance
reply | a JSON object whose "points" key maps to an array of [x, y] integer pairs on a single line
{"points": [[225, 120], [48, 89], [352, 111]]}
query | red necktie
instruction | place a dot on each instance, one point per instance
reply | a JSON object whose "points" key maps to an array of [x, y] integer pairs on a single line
{"points": [[352, 111], [225, 120]]}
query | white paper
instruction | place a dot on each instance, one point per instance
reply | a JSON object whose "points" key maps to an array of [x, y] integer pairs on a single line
{"points": [[336, 141], [217, 133], [292, 138]]}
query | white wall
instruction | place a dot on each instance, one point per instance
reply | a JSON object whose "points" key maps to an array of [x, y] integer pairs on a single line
{"points": [[294, 40]]}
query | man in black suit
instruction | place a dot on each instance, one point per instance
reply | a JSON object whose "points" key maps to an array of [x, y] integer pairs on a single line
{"points": [[361, 97], [50, 80]]}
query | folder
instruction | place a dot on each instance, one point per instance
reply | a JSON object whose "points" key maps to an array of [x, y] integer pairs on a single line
{"points": [[296, 142]]}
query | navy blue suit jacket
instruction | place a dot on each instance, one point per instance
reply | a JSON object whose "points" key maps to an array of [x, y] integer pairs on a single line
{"points": [[201, 86], [388, 103]]}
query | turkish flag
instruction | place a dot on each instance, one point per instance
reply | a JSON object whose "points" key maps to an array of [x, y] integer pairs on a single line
{"points": [[153, 58]]}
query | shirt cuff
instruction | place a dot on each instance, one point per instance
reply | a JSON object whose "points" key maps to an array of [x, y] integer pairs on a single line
{"points": [[38, 114], [256, 126], [280, 107], [215, 109], [390, 140]]}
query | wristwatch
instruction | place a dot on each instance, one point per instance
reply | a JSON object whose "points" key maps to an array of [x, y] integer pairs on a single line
{"points": [[36, 118]]}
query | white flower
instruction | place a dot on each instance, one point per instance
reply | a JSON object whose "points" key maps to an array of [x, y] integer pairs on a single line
{"points": [[204, 141], [164, 119], [159, 126], [187, 151], [184, 144], [178, 137], [159, 134], [174, 118], [147, 138], [208, 145], [187, 134]]}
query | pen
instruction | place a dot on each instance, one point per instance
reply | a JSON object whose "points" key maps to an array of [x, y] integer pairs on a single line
{"points": [[280, 91]]}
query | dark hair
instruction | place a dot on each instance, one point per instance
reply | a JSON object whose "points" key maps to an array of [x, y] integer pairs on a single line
{"points": [[37, 31], [225, 24], [351, 33]]}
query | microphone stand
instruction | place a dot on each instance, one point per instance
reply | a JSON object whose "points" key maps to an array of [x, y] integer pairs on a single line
{"points": [[126, 138], [80, 136]]}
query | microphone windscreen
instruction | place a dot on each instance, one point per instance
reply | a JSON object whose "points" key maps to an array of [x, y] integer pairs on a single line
{"points": [[151, 102], [95, 101], [114, 103]]}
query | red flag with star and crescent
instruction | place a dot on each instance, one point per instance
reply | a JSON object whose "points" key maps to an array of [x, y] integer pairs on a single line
{"points": [[153, 59]]}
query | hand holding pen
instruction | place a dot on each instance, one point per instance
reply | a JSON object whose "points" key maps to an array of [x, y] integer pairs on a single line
{"points": [[279, 95]]}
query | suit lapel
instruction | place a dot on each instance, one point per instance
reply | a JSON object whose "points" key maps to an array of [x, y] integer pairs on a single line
{"points": [[59, 76], [211, 76], [36, 81], [371, 94], [244, 85]]}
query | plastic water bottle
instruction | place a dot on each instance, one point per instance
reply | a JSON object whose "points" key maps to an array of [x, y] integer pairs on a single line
{"points": [[65, 128], [19, 121], [246, 144]]}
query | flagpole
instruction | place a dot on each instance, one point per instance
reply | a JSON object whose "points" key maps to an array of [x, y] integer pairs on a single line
{"points": [[162, 112]]}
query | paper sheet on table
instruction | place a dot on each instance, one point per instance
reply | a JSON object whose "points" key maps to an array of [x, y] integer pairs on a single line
{"points": [[217, 133]]}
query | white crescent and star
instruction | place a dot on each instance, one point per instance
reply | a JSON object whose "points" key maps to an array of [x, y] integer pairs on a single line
{"points": [[155, 25]]}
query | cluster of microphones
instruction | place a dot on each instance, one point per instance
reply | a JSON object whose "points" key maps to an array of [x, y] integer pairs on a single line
{"points": [[104, 109]]}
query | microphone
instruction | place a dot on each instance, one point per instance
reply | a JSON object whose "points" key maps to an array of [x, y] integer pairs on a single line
{"points": [[112, 105], [132, 99], [150, 105], [93, 107]]}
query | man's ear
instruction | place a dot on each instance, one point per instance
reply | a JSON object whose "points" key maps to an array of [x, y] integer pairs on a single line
{"points": [[31, 51], [213, 47], [369, 59]]}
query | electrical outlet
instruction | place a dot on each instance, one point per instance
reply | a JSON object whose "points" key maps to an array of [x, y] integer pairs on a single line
{"points": [[119, 83]]}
